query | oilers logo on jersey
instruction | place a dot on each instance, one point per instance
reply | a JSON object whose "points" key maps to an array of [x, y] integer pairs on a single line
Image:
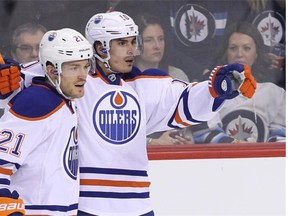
{"points": [[117, 117], [70, 158]]}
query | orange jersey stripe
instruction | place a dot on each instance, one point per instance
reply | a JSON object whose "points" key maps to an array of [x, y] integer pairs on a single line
{"points": [[100, 182], [179, 120], [6, 171]]}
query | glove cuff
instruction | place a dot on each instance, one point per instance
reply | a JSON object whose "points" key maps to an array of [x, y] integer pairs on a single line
{"points": [[10, 206]]}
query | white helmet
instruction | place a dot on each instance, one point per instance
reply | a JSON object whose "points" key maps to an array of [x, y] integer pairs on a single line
{"points": [[64, 45], [104, 27]]}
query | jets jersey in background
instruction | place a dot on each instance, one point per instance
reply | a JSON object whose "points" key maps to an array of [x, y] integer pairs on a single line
{"points": [[260, 119], [38, 154]]}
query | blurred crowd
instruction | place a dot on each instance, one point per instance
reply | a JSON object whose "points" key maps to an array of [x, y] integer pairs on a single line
{"points": [[185, 38]]}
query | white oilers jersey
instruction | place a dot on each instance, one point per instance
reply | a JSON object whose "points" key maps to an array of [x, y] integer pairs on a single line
{"points": [[39, 151], [115, 115], [114, 119]]}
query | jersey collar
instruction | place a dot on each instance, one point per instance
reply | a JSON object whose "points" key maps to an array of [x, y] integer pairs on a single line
{"points": [[112, 78]]}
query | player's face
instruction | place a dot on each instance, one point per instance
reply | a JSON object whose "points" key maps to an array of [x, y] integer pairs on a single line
{"points": [[154, 44], [27, 47], [73, 78], [241, 49], [122, 54]]}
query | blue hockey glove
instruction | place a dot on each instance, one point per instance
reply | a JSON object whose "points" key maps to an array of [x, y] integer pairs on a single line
{"points": [[226, 82], [9, 75]]}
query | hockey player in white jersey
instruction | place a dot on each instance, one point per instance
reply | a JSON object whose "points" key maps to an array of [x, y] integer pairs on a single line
{"points": [[122, 105], [38, 133]]}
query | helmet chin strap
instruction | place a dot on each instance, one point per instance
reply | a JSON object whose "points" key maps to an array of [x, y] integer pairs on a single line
{"points": [[57, 86], [105, 61]]}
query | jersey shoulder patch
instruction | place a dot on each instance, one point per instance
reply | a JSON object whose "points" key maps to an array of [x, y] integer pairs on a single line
{"points": [[35, 103]]}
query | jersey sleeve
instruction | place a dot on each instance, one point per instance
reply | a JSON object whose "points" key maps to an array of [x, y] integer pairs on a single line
{"points": [[28, 72], [172, 103], [18, 138], [25, 128]]}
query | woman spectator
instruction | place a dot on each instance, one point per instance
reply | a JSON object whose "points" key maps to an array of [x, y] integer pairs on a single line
{"points": [[260, 119]]}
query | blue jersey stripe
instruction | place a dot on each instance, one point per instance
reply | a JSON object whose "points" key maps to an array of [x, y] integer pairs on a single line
{"points": [[186, 105], [52, 207], [114, 195], [4, 181], [113, 171], [2, 162]]}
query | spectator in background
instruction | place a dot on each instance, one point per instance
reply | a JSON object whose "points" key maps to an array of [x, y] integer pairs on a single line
{"points": [[260, 119], [153, 56], [198, 28], [269, 18], [25, 42]]}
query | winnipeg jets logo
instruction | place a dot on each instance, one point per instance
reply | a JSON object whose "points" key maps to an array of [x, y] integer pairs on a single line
{"points": [[194, 24], [244, 125], [271, 25], [116, 117], [242, 130]]}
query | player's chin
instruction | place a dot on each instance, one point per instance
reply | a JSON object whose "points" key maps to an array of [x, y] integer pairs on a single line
{"points": [[126, 68], [78, 93]]}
